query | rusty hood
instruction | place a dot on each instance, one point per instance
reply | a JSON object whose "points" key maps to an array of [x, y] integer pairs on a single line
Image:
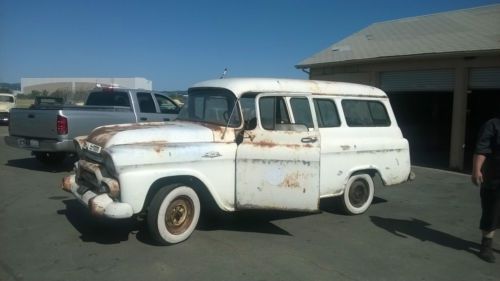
{"points": [[157, 132]]}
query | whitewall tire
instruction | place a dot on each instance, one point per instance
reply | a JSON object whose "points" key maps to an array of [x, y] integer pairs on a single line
{"points": [[358, 194], [173, 214]]}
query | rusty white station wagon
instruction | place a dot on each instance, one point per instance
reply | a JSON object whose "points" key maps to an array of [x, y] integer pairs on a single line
{"points": [[245, 143]]}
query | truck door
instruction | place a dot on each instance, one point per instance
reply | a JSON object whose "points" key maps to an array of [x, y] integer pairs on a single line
{"points": [[277, 162]]}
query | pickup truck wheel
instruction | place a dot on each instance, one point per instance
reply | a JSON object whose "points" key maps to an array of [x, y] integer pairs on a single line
{"points": [[173, 214], [50, 158], [358, 194]]}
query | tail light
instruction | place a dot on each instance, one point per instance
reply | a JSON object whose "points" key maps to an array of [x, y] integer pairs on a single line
{"points": [[62, 125]]}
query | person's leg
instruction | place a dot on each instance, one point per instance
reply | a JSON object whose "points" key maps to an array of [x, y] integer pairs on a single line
{"points": [[489, 216]]}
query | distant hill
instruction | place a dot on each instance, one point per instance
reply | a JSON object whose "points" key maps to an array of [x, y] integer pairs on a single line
{"points": [[11, 86], [178, 95]]}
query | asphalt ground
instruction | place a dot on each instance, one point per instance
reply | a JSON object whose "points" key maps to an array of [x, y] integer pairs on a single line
{"points": [[423, 230]]}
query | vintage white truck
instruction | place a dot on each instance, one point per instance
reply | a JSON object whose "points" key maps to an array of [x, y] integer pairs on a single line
{"points": [[247, 143], [7, 102]]}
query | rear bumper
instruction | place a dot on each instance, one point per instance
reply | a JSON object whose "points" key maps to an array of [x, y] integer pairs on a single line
{"points": [[35, 144], [99, 204]]}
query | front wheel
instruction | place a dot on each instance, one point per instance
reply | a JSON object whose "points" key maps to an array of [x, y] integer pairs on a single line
{"points": [[358, 194], [173, 214]]}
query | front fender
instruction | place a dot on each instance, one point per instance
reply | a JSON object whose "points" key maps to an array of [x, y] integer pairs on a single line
{"points": [[135, 185]]}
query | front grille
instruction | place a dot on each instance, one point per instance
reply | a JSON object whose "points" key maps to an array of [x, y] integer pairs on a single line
{"points": [[94, 177]]}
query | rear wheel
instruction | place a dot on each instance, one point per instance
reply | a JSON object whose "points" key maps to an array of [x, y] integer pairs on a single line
{"points": [[358, 194], [50, 158], [173, 214]]}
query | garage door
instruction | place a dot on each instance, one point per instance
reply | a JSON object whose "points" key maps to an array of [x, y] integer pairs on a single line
{"points": [[484, 78], [435, 80]]}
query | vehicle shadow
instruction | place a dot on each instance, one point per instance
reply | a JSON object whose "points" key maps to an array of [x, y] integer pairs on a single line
{"points": [[256, 221], [420, 229], [34, 165], [109, 231], [102, 230]]}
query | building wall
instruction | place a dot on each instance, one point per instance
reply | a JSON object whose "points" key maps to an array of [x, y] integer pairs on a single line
{"points": [[369, 73], [76, 84]]}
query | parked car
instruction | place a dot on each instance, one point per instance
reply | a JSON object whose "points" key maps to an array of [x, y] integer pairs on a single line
{"points": [[245, 144], [48, 130], [7, 101]]}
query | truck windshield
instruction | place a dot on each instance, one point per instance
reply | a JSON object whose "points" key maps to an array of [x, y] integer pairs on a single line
{"points": [[6, 99], [108, 99], [211, 105]]}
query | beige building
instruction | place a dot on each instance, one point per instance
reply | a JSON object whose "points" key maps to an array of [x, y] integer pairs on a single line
{"points": [[81, 84], [441, 72]]}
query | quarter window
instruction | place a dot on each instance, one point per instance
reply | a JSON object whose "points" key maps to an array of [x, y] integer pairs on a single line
{"points": [[363, 113]]}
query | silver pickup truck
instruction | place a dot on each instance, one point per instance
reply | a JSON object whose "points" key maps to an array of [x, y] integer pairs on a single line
{"points": [[48, 131]]}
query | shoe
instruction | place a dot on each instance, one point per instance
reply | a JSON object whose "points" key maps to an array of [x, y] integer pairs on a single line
{"points": [[486, 252]]}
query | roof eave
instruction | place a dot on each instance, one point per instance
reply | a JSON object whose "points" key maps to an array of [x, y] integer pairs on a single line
{"points": [[398, 57]]}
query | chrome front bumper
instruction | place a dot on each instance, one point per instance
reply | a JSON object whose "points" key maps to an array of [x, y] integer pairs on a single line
{"points": [[98, 204]]}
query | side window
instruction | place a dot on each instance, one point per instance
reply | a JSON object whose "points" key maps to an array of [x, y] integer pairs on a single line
{"points": [[379, 114], [362, 113], [166, 105], [326, 113], [146, 103], [302, 111], [273, 112]]}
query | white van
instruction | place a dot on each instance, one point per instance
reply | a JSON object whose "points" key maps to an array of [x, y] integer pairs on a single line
{"points": [[247, 143]]}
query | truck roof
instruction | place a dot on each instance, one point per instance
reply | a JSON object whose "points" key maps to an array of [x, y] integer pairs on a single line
{"points": [[240, 86]]}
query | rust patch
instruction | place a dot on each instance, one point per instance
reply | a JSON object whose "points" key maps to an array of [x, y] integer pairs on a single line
{"points": [[95, 209], [158, 146], [291, 180], [113, 186], [213, 127], [102, 135], [266, 143], [66, 184], [271, 144]]}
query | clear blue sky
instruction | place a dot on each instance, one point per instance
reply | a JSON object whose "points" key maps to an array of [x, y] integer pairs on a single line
{"points": [[177, 43]]}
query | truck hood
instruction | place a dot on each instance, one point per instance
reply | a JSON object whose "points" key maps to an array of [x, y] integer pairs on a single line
{"points": [[144, 133], [6, 106]]}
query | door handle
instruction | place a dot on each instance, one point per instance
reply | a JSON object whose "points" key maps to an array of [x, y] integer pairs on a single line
{"points": [[166, 119], [144, 118], [309, 139]]}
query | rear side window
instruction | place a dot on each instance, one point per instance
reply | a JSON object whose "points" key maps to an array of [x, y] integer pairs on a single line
{"points": [[326, 113], [146, 103], [108, 99], [363, 113]]}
